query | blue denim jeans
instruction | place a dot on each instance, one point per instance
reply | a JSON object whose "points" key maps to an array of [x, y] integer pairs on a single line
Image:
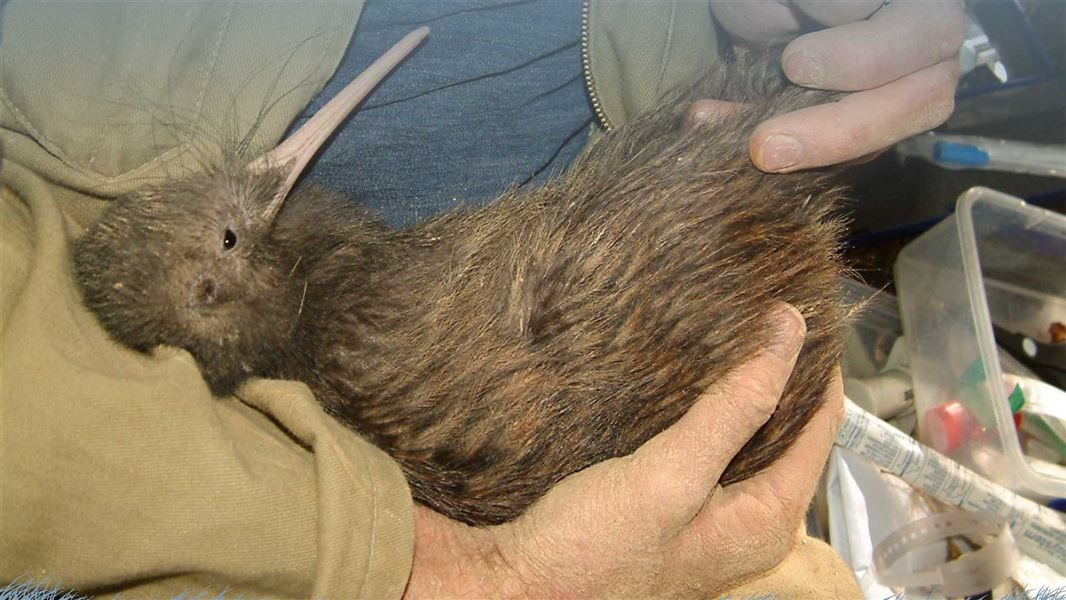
{"points": [[494, 97]]}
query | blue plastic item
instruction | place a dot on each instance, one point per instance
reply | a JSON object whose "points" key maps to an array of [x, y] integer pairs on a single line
{"points": [[961, 154]]}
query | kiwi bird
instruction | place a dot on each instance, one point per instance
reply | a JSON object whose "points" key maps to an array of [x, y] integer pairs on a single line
{"points": [[494, 351]]}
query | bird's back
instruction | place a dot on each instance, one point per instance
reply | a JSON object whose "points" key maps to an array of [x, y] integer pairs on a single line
{"points": [[564, 325]]}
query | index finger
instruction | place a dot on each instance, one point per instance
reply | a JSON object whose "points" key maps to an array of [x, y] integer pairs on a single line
{"points": [[677, 470], [901, 38], [858, 124], [791, 481], [751, 523], [838, 13], [749, 526], [759, 21]]}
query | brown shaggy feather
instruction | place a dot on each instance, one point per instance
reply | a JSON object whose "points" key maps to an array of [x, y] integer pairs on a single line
{"points": [[495, 351]]}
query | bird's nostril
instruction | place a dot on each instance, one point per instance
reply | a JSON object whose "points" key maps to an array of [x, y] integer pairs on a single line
{"points": [[207, 290]]}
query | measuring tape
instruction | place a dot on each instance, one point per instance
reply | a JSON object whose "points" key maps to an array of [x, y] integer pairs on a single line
{"points": [[971, 573]]}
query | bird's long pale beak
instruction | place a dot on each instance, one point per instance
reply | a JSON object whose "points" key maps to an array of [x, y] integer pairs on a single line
{"points": [[293, 154]]}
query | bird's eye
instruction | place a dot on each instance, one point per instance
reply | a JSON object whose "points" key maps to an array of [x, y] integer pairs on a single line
{"points": [[229, 240]]}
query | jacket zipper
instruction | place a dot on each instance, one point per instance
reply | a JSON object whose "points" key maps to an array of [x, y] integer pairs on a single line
{"points": [[586, 65]]}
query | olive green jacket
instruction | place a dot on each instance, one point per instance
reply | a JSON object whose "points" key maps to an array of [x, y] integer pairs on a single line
{"points": [[119, 471]]}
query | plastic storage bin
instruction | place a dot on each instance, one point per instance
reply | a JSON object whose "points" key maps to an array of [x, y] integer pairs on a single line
{"points": [[998, 260]]}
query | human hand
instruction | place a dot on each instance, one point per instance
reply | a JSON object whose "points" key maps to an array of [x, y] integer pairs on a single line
{"points": [[899, 60], [653, 523]]}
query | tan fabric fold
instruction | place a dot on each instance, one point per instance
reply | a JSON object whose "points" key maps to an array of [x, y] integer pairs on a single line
{"points": [[121, 472], [103, 97], [811, 571]]}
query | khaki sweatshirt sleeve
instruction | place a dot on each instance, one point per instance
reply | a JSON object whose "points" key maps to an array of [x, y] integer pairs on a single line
{"points": [[120, 471], [636, 52]]}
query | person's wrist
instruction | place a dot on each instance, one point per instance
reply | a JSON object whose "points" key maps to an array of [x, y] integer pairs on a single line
{"points": [[453, 560]]}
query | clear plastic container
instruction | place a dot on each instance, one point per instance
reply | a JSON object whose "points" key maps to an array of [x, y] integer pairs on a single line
{"points": [[998, 260]]}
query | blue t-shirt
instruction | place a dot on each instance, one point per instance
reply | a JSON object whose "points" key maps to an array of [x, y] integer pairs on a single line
{"points": [[494, 97]]}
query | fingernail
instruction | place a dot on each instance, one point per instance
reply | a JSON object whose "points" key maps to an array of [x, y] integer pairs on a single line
{"points": [[789, 332], [700, 117], [802, 68], [779, 152]]}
